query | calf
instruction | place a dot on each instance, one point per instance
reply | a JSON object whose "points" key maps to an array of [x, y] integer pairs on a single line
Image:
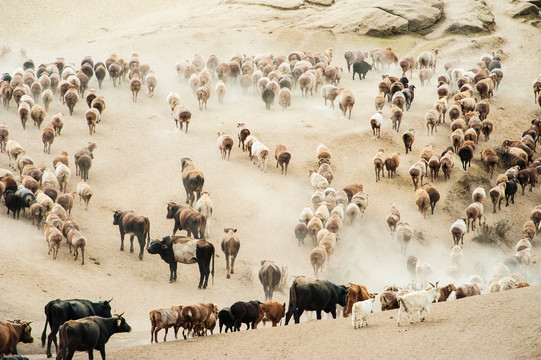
{"points": [[270, 311], [11, 333], [418, 301], [195, 316], [164, 318], [269, 276], [134, 225], [361, 309], [230, 247], [245, 313], [225, 318], [355, 294]]}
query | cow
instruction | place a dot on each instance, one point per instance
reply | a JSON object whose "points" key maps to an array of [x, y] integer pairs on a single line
{"points": [[88, 334], [192, 179], [194, 317], [225, 318], [187, 218], [318, 296], [134, 225], [245, 312], [13, 332], [164, 318], [356, 293], [230, 247], [59, 311], [185, 250], [269, 275], [270, 311]]}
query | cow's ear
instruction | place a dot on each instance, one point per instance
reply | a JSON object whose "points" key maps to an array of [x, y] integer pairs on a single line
{"points": [[164, 246]]}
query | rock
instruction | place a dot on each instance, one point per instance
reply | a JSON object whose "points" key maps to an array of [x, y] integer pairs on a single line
{"points": [[419, 14], [276, 4], [321, 2], [523, 9], [468, 17]]}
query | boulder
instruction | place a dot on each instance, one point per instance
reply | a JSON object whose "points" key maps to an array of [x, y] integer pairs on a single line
{"points": [[468, 17], [524, 9], [419, 14]]}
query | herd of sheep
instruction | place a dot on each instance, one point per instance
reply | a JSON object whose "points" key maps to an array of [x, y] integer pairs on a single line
{"points": [[464, 95]]}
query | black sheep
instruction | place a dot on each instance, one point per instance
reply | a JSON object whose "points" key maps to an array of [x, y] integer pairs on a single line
{"points": [[510, 191], [361, 68], [225, 318], [13, 202]]}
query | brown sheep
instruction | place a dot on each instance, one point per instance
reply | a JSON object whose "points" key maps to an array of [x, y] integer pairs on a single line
{"points": [[434, 196], [408, 138], [203, 94], [403, 235], [87, 150], [77, 241], [473, 212], [528, 176], [243, 134], [393, 217], [417, 172], [352, 189], [71, 98], [225, 144], [528, 229], [325, 170], [497, 194], [379, 164], [24, 113], [92, 116], [282, 156], [434, 165], [379, 101], [317, 258], [391, 164], [4, 136], [84, 191], [182, 115], [135, 87], [314, 225], [490, 159], [84, 163], [301, 230], [396, 117], [455, 111], [346, 101], [431, 120], [465, 152], [66, 200], [38, 114], [422, 200], [99, 103], [47, 136]]}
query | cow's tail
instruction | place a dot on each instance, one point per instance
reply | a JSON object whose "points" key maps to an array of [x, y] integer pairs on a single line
{"points": [[44, 334], [212, 271], [270, 283], [147, 226], [293, 299]]}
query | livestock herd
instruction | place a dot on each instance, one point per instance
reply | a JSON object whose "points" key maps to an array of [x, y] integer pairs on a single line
{"points": [[44, 192]]}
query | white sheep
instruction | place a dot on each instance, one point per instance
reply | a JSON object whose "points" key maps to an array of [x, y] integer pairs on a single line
{"points": [[63, 174], [260, 153], [317, 181], [458, 229], [375, 122]]}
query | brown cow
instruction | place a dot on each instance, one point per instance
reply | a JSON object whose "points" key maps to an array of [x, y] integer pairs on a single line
{"points": [[134, 225], [269, 275], [355, 293], [192, 179], [13, 332], [164, 318], [230, 247], [193, 317], [187, 218], [270, 311]]}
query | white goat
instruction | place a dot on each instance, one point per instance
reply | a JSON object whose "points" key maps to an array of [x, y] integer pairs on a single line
{"points": [[360, 311], [418, 301]]}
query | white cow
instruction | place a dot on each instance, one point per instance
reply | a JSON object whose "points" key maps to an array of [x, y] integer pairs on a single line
{"points": [[418, 301], [360, 311]]}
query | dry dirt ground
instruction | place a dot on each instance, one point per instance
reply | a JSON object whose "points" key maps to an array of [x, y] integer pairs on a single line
{"points": [[137, 167]]}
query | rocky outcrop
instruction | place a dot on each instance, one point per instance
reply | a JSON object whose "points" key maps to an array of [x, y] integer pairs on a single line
{"points": [[468, 17]]}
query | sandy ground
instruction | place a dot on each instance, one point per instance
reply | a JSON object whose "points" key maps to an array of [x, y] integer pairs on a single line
{"points": [[137, 167]]}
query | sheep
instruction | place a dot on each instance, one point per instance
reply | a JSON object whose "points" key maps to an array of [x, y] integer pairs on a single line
{"points": [[282, 156], [346, 101], [284, 98], [92, 116], [87, 150], [24, 113], [314, 226], [6, 91], [203, 94], [334, 223], [318, 256], [307, 213], [466, 290], [37, 113], [375, 122], [466, 153], [434, 196], [391, 164], [225, 144], [13, 150], [396, 117], [329, 92], [425, 75], [54, 238], [221, 90], [399, 100], [447, 162], [77, 241], [422, 200], [379, 164], [490, 159], [426, 155], [528, 229], [44, 200], [408, 137], [83, 164], [455, 111], [99, 103], [250, 139], [71, 97], [515, 156], [182, 115], [434, 165], [360, 311], [457, 230], [47, 136], [473, 212], [58, 123], [85, 193], [322, 212], [403, 235], [443, 90], [4, 136], [471, 135], [379, 101], [135, 87], [417, 172], [361, 200], [441, 107], [393, 217], [261, 154], [523, 244], [150, 80], [478, 195], [62, 173], [431, 120], [322, 152]]}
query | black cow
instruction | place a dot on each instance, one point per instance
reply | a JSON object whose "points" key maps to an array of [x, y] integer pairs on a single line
{"points": [[361, 68], [318, 295], [134, 225], [245, 313], [185, 250], [18, 357], [88, 334], [59, 311], [225, 318], [14, 203]]}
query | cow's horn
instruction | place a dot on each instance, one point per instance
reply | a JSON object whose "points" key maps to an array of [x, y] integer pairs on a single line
{"points": [[121, 314], [110, 300]]}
